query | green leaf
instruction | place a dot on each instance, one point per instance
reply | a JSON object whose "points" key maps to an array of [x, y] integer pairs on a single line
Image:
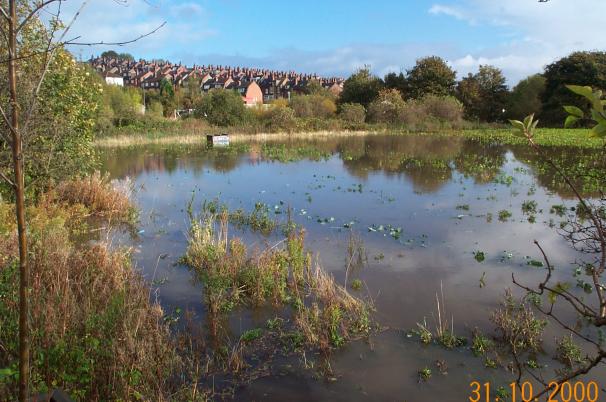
{"points": [[570, 121], [598, 117], [585, 91], [598, 131], [574, 111], [528, 121]]}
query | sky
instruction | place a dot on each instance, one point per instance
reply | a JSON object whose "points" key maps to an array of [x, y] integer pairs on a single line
{"points": [[336, 37]]}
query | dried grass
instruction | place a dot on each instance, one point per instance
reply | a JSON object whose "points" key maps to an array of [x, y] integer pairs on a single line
{"points": [[101, 197]]}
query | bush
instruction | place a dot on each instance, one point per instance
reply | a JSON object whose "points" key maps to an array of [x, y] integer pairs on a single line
{"points": [[313, 106], [222, 107], [387, 108], [352, 113], [96, 334], [280, 118], [446, 108]]}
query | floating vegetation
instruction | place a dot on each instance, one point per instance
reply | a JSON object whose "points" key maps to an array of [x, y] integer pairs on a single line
{"points": [[356, 284], [504, 215], [479, 256], [504, 179], [284, 153], [424, 374], [463, 207], [395, 232], [534, 263], [559, 210], [529, 207]]}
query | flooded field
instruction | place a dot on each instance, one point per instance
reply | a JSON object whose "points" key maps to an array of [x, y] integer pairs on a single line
{"points": [[435, 215]]}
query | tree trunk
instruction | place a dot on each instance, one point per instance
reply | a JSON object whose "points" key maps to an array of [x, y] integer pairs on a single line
{"points": [[17, 148]]}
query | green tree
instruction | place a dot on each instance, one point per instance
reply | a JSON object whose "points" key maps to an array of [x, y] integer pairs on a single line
{"points": [[525, 98], [396, 81], [110, 54], [430, 76], [468, 93], [493, 93], [484, 94], [222, 107], [579, 68], [126, 56], [361, 87]]}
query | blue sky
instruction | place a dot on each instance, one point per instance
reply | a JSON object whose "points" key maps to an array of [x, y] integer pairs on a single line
{"points": [[335, 37]]}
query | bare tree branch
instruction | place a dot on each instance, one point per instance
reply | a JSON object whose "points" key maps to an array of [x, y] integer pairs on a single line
{"points": [[6, 179], [37, 8]]}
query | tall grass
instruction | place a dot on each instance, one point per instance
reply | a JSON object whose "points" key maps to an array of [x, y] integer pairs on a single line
{"points": [[281, 275], [95, 332]]}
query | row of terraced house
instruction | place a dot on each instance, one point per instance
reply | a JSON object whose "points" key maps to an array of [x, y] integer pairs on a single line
{"points": [[255, 85]]}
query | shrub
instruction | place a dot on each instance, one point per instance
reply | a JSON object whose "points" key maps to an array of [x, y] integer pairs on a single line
{"points": [[98, 196], [353, 113], [387, 108], [222, 107], [280, 118], [318, 106], [96, 334], [447, 108]]}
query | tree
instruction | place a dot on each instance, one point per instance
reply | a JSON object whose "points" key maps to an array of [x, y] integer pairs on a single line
{"points": [[579, 68], [484, 94], [525, 98], [396, 81], [468, 93], [109, 54], [493, 93], [126, 56], [430, 76], [31, 52], [222, 107], [361, 87]]}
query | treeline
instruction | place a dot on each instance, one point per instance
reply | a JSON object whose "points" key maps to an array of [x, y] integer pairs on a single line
{"points": [[426, 97]]}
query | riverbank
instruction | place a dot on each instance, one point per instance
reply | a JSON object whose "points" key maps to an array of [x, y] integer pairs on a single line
{"points": [[548, 137]]}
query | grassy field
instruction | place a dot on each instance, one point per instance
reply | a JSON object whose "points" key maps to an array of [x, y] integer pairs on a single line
{"points": [[547, 136]]}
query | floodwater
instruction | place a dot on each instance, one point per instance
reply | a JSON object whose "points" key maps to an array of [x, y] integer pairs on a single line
{"points": [[422, 205]]}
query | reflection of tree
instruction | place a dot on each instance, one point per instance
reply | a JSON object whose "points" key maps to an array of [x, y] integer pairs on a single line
{"points": [[423, 159], [482, 162], [586, 168]]}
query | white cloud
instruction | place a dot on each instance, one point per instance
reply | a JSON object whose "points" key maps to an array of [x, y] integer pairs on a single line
{"points": [[535, 34], [437, 9]]}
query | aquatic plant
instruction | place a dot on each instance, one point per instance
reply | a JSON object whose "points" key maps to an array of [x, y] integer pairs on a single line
{"points": [[324, 312]]}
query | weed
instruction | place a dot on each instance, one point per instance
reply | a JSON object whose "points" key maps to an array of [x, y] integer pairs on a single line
{"points": [[251, 335], [424, 374], [504, 215], [559, 210], [356, 284], [518, 326], [464, 207], [481, 344], [569, 353], [529, 207], [479, 256]]}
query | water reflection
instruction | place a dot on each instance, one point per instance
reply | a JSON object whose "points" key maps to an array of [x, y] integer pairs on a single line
{"points": [[443, 193], [428, 162]]}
